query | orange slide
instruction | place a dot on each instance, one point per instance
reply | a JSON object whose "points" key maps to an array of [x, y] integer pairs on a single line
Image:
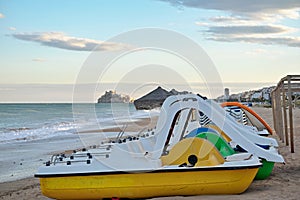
{"points": [[254, 114]]}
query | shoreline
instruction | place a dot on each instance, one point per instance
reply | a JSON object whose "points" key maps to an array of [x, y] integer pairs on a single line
{"points": [[132, 126], [282, 184]]}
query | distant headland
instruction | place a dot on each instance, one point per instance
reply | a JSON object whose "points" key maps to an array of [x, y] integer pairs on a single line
{"points": [[155, 98]]}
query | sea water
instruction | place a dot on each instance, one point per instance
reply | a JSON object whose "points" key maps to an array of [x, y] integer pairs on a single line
{"points": [[26, 122], [31, 133]]}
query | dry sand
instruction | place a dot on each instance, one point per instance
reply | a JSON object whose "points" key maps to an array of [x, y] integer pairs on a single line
{"points": [[284, 182]]}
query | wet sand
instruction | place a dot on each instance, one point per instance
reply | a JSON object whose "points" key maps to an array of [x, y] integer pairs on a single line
{"points": [[283, 183]]}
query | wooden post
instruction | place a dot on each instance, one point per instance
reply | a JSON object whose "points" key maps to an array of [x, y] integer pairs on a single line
{"points": [[274, 113], [276, 116], [291, 114], [284, 114], [279, 114], [285, 89]]}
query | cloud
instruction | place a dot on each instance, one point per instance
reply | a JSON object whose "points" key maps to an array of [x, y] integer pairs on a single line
{"points": [[222, 19], [12, 28], [253, 8], [202, 23], [38, 60], [287, 41], [1, 15], [249, 30], [62, 41], [260, 34], [233, 20]]}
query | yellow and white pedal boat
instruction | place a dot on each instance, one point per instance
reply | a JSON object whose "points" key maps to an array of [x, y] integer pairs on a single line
{"points": [[159, 163], [192, 167]]}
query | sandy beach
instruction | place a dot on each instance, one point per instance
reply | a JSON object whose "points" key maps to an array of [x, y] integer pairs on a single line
{"points": [[283, 183]]}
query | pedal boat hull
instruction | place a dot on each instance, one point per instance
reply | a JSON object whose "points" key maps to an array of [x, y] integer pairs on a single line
{"points": [[145, 184]]}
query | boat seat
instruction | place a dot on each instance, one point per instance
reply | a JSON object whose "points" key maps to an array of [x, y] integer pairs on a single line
{"points": [[263, 132], [193, 148], [239, 157], [139, 148]]}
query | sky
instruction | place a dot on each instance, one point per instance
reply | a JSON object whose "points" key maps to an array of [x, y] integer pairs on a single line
{"points": [[44, 45]]}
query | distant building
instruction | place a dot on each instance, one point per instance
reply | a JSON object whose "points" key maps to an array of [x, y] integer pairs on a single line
{"points": [[256, 95], [261, 95], [226, 93], [235, 97]]}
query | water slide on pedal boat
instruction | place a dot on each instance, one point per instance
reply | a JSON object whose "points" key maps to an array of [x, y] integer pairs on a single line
{"points": [[250, 135], [251, 117]]}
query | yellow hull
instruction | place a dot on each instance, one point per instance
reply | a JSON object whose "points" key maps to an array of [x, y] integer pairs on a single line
{"points": [[149, 184]]}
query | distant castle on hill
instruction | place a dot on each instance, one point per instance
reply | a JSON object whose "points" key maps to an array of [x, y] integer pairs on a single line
{"points": [[112, 97]]}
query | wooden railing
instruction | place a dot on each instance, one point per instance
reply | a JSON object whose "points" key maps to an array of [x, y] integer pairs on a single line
{"points": [[281, 102]]}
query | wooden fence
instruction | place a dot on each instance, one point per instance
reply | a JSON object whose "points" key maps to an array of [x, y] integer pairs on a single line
{"points": [[281, 102]]}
